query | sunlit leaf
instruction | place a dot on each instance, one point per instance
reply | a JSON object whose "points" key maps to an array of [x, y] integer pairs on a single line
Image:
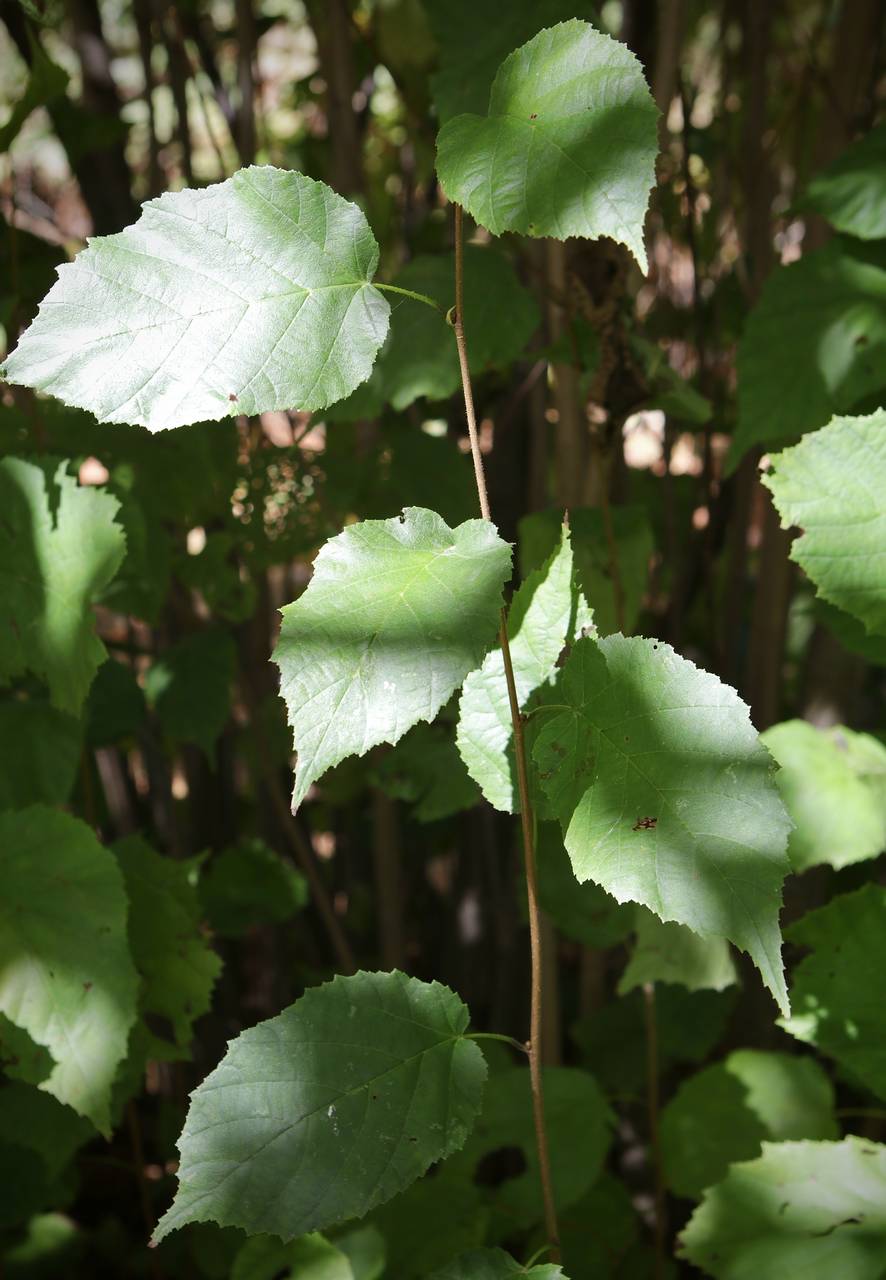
{"points": [[330, 1108], [568, 145], [833, 784], [59, 546], [546, 613], [833, 485], [249, 295], [811, 1209], [396, 615], [665, 794], [66, 976]]}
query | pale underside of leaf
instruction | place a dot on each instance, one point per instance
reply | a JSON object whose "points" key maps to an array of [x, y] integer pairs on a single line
{"points": [[396, 615], [250, 295]]}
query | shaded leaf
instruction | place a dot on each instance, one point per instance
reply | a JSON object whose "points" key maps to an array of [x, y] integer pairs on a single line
{"points": [[836, 1006], [31, 1118], [542, 161], [669, 952], [422, 607], [816, 1209], [851, 192], [46, 84], [833, 784], [250, 295], [539, 534], [425, 769], [177, 965], [66, 976], [39, 753], [59, 547], [814, 345], [494, 1264], [115, 708], [250, 884], [309, 1258], [329, 1109], [666, 796], [584, 912], [722, 1115], [833, 485], [189, 686]]}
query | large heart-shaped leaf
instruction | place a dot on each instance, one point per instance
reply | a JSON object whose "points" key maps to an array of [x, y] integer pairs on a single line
{"points": [[66, 976], [396, 615], [329, 1109], [250, 295], [666, 795], [568, 145], [833, 485]]}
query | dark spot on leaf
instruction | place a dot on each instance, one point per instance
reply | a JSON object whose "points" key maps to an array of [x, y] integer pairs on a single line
{"points": [[861, 340], [413, 1139], [232, 397], [87, 986], [534, 116], [645, 824]]}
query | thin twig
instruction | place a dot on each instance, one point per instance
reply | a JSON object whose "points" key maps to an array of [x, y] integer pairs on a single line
{"points": [[535, 1019], [652, 1103]]}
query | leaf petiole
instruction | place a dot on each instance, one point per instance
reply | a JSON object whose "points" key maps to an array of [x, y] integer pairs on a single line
{"points": [[409, 293], [495, 1035]]}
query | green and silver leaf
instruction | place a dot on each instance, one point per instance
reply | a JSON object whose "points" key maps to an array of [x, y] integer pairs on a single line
{"points": [[322, 1113], [567, 147], [249, 295], [666, 795], [396, 615]]}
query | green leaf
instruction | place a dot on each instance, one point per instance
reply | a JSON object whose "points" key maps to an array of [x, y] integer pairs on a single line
{"points": [[669, 952], [420, 357], [833, 485], [814, 345], [59, 547], [31, 1118], [545, 614], [835, 1005], [851, 633], [723, 1114], [423, 602], [190, 687], [424, 1227], [811, 1209], [833, 784], [46, 84], [539, 535], [474, 37], [329, 1109], [568, 145], [66, 976], [39, 753], [584, 912], [851, 192], [176, 963], [249, 884], [115, 708], [493, 1264], [578, 1123], [364, 1248], [666, 796], [250, 295], [425, 769], [310, 1258]]}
